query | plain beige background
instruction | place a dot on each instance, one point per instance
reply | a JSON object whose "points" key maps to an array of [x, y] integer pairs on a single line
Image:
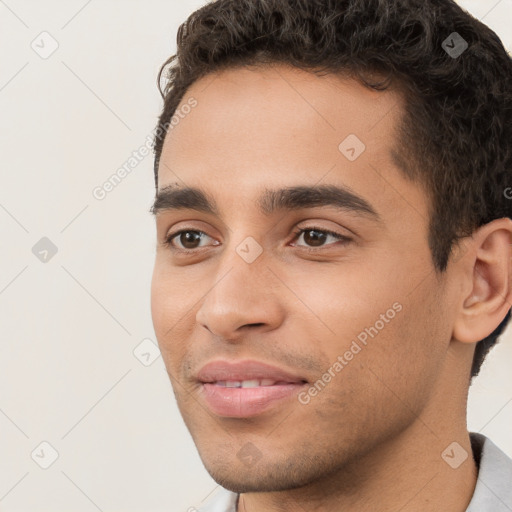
{"points": [[77, 339]]}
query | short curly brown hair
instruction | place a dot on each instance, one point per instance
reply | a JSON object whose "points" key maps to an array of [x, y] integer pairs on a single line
{"points": [[456, 131]]}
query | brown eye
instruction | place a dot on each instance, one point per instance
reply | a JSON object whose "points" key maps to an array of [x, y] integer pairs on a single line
{"points": [[314, 237], [186, 239], [189, 239]]}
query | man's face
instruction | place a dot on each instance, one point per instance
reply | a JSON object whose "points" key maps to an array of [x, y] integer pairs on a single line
{"points": [[354, 328]]}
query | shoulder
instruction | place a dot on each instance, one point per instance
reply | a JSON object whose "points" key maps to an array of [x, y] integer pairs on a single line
{"points": [[493, 491]]}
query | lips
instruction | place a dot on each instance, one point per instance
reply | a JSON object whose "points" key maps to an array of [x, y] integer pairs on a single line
{"points": [[246, 388], [225, 371]]}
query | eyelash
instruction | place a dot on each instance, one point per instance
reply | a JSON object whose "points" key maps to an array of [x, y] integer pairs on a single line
{"points": [[341, 238]]}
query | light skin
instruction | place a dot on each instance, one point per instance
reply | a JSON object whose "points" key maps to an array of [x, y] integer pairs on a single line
{"points": [[372, 438]]}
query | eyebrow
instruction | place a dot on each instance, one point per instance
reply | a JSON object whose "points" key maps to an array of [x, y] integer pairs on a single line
{"points": [[176, 197]]}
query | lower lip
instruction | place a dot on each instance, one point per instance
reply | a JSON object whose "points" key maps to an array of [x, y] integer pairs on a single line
{"points": [[246, 402]]}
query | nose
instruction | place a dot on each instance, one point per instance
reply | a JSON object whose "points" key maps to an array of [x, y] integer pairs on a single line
{"points": [[241, 296]]}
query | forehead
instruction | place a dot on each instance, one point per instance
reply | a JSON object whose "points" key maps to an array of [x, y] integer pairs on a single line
{"points": [[280, 126]]}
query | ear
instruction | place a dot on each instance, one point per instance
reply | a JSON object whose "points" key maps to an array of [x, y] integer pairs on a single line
{"points": [[488, 276]]}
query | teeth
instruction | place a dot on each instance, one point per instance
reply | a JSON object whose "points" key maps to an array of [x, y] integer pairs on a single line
{"points": [[250, 383], [254, 383]]}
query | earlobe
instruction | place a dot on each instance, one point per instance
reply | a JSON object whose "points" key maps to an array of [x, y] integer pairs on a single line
{"points": [[490, 276]]}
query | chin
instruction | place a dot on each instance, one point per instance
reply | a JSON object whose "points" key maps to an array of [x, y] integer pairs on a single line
{"points": [[261, 477], [244, 483]]}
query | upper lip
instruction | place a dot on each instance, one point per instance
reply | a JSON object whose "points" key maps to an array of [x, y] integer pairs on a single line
{"points": [[221, 370]]}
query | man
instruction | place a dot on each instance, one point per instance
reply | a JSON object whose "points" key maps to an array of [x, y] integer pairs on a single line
{"points": [[334, 250]]}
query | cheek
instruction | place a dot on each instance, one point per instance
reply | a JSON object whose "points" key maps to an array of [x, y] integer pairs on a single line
{"points": [[169, 313], [389, 375], [374, 333], [370, 390], [341, 302], [159, 301]]}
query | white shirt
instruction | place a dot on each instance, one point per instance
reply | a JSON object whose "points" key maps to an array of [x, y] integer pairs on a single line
{"points": [[493, 491]]}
